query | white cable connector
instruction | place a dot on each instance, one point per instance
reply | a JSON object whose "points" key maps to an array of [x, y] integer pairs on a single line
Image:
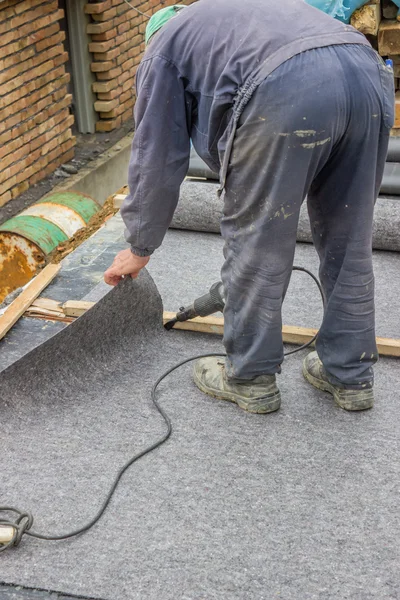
{"points": [[6, 534]]}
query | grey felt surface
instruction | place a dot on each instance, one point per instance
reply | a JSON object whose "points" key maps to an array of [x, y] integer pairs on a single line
{"points": [[200, 209], [184, 268], [300, 504]]}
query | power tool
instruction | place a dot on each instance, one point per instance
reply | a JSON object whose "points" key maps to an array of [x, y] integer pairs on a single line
{"points": [[206, 305], [214, 301]]}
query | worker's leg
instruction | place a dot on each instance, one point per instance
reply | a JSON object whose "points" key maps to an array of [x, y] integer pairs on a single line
{"points": [[341, 204], [285, 135]]}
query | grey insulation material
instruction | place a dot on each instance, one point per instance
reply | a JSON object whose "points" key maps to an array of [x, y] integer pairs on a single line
{"points": [[200, 209], [391, 179], [303, 503], [394, 150]]}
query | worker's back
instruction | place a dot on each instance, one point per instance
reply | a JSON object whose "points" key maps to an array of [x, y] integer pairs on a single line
{"points": [[217, 45]]}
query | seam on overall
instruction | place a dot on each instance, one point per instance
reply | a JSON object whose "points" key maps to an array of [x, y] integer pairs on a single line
{"points": [[189, 88], [140, 187]]}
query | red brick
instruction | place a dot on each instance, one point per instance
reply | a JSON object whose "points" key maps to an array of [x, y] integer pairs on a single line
{"points": [[14, 59], [101, 46], [125, 97], [108, 125], [105, 16], [113, 74], [104, 86], [50, 41], [97, 28], [27, 17], [26, 5], [128, 84], [115, 112], [4, 198], [19, 189], [61, 59], [15, 47], [128, 114], [27, 28], [123, 8], [104, 56], [105, 106], [115, 93], [104, 37], [127, 65], [100, 67], [31, 65], [14, 157], [97, 7]]}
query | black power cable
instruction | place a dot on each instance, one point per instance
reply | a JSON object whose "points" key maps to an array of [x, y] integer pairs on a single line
{"points": [[24, 520]]}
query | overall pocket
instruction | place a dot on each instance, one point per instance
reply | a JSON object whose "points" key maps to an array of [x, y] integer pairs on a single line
{"points": [[387, 81]]}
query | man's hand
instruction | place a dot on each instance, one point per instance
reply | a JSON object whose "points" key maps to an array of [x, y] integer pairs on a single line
{"points": [[125, 263]]}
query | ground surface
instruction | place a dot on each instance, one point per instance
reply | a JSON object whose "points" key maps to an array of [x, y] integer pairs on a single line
{"points": [[299, 505], [19, 593], [88, 147]]}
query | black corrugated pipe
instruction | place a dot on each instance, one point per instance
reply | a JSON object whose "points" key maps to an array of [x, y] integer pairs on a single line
{"points": [[394, 150], [390, 183]]}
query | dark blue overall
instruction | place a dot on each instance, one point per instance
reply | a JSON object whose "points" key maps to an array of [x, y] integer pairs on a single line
{"points": [[318, 126], [286, 102]]}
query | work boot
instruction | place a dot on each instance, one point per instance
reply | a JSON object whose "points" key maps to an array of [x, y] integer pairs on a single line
{"points": [[259, 395], [314, 372]]}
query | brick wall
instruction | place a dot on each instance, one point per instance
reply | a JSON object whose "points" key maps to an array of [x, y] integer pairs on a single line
{"points": [[35, 123], [117, 44]]}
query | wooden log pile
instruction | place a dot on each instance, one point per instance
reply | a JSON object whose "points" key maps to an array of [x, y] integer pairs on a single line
{"points": [[380, 23]]}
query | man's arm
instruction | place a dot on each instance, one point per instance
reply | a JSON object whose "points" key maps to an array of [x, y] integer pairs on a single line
{"points": [[158, 164], [160, 155]]}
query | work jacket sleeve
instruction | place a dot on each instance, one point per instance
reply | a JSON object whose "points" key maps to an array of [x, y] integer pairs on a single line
{"points": [[160, 154]]}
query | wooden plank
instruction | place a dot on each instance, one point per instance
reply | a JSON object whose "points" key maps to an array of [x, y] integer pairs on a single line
{"points": [[367, 19], [389, 38], [397, 111], [388, 346], [291, 334], [118, 200], [26, 297], [44, 307], [76, 308], [50, 317]]}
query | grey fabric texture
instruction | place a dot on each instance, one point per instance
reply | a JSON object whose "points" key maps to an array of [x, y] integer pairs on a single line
{"points": [[186, 265], [300, 504], [200, 209]]}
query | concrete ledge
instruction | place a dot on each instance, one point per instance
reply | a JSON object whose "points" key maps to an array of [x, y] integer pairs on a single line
{"points": [[104, 176]]}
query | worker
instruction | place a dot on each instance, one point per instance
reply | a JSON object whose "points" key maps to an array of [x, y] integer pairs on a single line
{"points": [[286, 103]]}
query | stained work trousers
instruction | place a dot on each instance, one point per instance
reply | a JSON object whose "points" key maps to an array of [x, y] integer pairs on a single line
{"points": [[317, 127]]}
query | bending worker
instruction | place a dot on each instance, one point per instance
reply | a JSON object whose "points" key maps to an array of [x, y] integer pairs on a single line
{"points": [[285, 102]]}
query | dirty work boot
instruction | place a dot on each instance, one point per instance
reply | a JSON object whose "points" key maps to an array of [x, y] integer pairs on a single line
{"points": [[315, 374], [259, 395]]}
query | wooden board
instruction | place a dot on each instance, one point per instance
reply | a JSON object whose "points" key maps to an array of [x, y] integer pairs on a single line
{"points": [[291, 334], [76, 308], [44, 306], [25, 299]]}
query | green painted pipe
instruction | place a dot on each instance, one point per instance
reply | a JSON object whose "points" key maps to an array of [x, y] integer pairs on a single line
{"points": [[53, 219], [27, 238]]}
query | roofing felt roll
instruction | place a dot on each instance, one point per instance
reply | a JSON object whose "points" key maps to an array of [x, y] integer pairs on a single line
{"points": [[229, 507], [393, 150], [390, 182], [200, 209]]}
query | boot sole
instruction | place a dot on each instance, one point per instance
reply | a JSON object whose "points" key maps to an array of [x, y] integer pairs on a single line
{"points": [[363, 403], [263, 405]]}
